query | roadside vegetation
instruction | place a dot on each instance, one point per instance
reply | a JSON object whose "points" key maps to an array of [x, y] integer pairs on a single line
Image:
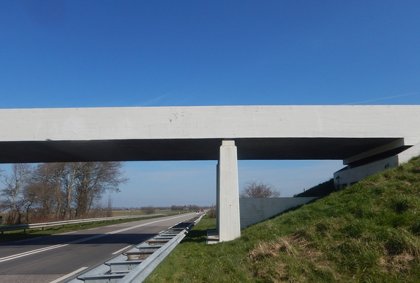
{"points": [[8, 236], [142, 213], [174, 209], [57, 191], [369, 232]]}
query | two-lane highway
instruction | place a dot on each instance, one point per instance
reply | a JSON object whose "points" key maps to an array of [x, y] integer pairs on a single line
{"points": [[59, 257]]}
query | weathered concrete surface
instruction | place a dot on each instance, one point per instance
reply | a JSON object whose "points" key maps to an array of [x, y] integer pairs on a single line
{"points": [[195, 133], [209, 122], [255, 210]]}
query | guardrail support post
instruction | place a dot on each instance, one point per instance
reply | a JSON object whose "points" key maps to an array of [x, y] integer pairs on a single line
{"points": [[228, 217]]}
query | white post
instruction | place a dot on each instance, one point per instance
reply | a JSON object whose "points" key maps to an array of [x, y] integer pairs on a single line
{"points": [[228, 222]]}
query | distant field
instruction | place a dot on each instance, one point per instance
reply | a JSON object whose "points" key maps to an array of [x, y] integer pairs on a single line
{"points": [[33, 233]]}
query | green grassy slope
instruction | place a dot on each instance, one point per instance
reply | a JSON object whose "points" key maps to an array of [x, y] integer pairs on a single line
{"points": [[369, 232]]}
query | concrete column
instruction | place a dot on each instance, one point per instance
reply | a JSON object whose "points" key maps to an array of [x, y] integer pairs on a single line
{"points": [[228, 217], [217, 198]]}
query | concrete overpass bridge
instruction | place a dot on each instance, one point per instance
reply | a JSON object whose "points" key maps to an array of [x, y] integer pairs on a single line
{"points": [[366, 138]]}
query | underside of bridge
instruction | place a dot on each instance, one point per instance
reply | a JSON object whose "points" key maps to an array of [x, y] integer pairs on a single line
{"points": [[192, 149]]}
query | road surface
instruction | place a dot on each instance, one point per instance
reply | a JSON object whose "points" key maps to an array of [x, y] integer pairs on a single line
{"points": [[60, 257]]}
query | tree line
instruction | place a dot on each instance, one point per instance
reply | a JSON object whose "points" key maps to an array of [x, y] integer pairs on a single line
{"points": [[56, 191]]}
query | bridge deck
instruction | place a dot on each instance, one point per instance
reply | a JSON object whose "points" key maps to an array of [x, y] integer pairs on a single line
{"points": [[195, 133]]}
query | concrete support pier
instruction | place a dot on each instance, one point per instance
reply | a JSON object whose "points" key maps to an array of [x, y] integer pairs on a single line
{"points": [[228, 217]]}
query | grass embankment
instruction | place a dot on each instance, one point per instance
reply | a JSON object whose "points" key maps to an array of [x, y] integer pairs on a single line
{"points": [[369, 232], [33, 233]]}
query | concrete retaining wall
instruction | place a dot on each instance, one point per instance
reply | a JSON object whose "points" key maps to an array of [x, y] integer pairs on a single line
{"points": [[254, 210], [348, 176]]}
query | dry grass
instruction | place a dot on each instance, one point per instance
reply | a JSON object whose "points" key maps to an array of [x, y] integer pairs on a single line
{"points": [[272, 260], [398, 263]]}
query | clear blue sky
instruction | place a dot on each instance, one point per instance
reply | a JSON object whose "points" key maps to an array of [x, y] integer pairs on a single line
{"points": [[154, 53]]}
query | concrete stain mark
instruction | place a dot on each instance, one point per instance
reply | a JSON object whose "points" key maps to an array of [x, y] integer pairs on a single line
{"points": [[176, 116]]}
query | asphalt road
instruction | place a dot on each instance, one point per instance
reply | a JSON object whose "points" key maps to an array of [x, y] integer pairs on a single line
{"points": [[47, 259]]}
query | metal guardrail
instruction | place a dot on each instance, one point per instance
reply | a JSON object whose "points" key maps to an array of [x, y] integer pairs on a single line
{"points": [[137, 263], [24, 227]]}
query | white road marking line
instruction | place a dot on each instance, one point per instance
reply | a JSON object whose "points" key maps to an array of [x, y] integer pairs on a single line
{"points": [[11, 257], [120, 250], [69, 275], [7, 258], [141, 225]]}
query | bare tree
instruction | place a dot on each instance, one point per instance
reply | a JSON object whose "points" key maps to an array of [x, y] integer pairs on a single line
{"points": [[15, 198], [66, 190], [46, 186], [92, 180], [259, 190], [2, 204], [68, 181], [109, 207]]}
